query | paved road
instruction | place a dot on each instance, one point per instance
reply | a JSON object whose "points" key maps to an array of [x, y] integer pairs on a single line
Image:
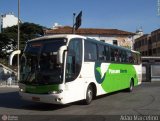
{"points": [[144, 100]]}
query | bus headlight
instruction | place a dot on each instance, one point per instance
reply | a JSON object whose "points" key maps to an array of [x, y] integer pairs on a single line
{"points": [[55, 92], [22, 90], [22, 87]]}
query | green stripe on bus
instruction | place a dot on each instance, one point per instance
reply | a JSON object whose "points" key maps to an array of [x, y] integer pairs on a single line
{"points": [[41, 89], [117, 76]]}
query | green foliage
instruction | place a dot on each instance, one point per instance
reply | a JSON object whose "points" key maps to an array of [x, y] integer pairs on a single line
{"points": [[4, 41], [9, 36]]}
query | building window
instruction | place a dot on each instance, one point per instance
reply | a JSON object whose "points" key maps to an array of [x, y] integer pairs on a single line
{"points": [[102, 40], [150, 52], [115, 42], [154, 51]]}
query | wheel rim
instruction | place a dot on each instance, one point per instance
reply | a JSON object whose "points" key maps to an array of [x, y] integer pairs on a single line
{"points": [[90, 95], [131, 86]]}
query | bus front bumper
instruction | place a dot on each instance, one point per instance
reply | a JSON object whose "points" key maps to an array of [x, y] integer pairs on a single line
{"points": [[45, 98]]}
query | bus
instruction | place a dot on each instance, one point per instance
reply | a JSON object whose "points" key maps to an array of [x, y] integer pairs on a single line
{"points": [[61, 69]]}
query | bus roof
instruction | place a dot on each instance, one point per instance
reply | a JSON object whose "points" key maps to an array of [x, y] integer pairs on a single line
{"points": [[70, 36], [114, 46], [58, 36]]}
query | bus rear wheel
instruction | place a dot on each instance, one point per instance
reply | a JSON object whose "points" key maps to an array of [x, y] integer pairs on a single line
{"points": [[89, 95], [130, 89]]}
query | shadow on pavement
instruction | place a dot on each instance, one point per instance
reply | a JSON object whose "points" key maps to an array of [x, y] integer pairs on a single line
{"points": [[14, 101]]}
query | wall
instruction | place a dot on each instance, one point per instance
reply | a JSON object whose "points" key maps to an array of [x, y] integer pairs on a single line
{"points": [[123, 41]]}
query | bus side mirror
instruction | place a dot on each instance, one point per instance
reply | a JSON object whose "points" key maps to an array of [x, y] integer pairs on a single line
{"points": [[12, 55], [60, 54]]}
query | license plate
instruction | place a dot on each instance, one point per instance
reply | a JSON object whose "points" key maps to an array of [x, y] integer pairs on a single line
{"points": [[35, 98]]}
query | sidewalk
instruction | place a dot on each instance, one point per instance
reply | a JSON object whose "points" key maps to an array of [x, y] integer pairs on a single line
{"points": [[9, 86]]}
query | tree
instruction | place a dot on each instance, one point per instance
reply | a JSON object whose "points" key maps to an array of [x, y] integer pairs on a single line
{"points": [[8, 38], [4, 41], [30, 31], [27, 31]]}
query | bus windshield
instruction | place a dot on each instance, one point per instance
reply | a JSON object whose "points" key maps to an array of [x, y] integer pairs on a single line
{"points": [[39, 62]]}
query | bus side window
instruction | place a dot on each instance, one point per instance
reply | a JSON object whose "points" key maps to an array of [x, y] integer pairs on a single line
{"points": [[112, 54], [125, 57], [130, 57], [101, 53], [90, 51], [74, 59], [107, 53], [116, 55], [135, 59], [120, 55]]}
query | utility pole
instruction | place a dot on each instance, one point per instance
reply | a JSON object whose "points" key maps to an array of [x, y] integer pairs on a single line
{"points": [[0, 23], [158, 7], [73, 28], [18, 71]]}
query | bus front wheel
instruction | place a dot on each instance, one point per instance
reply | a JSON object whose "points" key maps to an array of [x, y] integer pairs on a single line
{"points": [[89, 95]]}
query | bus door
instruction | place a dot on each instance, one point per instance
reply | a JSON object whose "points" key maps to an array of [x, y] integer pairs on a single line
{"points": [[74, 82]]}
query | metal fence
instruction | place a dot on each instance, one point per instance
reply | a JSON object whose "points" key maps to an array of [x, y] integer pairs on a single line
{"points": [[155, 72], [151, 69], [7, 76]]}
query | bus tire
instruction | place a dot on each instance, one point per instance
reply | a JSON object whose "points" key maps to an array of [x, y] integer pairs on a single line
{"points": [[130, 89], [89, 95]]}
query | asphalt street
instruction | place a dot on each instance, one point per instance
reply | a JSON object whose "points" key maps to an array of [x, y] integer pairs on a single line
{"points": [[144, 100]]}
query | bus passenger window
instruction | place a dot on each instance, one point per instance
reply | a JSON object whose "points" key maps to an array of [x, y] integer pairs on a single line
{"points": [[120, 56], [116, 55], [137, 58], [112, 55], [101, 53], [123, 56], [90, 51], [107, 53], [129, 57], [74, 59]]}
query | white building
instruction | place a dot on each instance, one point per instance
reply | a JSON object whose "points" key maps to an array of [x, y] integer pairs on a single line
{"points": [[8, 20], [112, 36], [139, 33]]}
